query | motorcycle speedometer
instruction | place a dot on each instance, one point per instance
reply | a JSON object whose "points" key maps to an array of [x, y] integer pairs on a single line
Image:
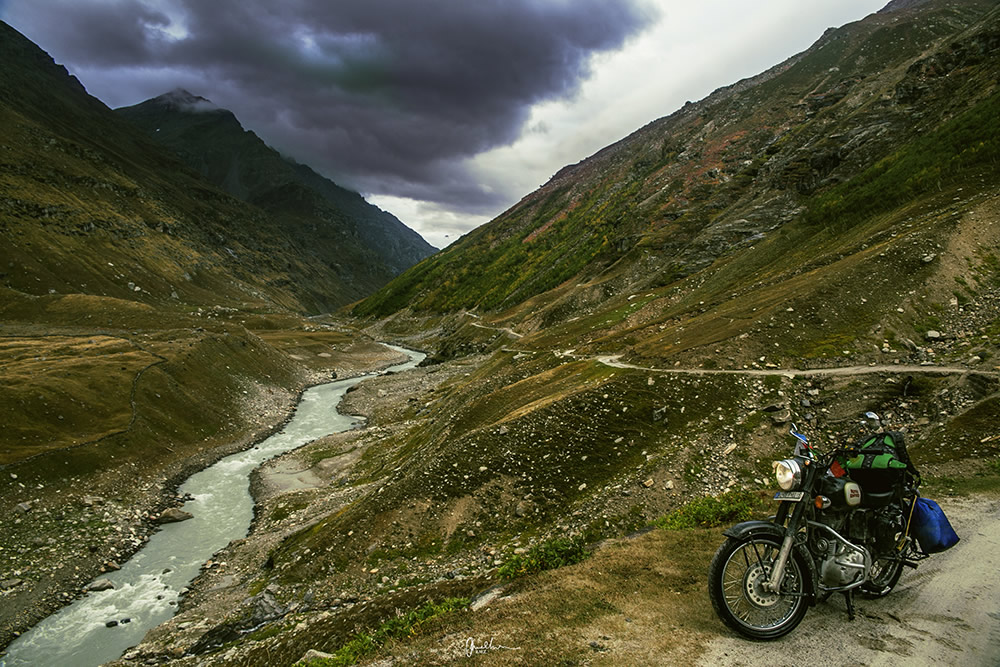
{"points": [[788, 473]]}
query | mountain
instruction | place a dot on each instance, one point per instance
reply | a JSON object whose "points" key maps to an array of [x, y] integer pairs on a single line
{"points": [[371, 244], [793, 169]]}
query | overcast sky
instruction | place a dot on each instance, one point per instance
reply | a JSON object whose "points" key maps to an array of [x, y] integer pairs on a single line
{"points": [[444, 112]]}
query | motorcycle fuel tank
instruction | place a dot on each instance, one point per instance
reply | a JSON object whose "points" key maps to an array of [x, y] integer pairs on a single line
{"points": [[843, 492]]}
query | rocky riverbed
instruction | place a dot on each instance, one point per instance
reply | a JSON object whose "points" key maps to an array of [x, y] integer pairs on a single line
{"points": [[58, 540]]}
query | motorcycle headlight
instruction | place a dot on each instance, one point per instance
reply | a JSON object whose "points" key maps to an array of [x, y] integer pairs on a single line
{"points": [[788, 473]]}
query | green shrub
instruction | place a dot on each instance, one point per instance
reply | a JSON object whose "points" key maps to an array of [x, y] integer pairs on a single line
{"points": [[408, 625], [546, 556], [710, 511]]}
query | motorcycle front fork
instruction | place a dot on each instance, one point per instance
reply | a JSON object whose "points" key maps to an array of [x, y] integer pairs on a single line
{"points": [[791, 529]]}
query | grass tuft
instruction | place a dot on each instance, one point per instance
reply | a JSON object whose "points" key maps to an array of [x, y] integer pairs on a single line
{"points": [[711, 511], [545, 556]]}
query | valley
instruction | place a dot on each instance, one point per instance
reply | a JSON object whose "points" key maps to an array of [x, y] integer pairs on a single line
{"points": [[631, 340]]}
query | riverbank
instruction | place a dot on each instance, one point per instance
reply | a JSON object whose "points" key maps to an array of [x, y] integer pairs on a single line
{"points": [[67, 535]]}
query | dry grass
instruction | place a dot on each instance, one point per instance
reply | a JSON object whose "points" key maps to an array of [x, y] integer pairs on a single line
{"points": [[638, 601]]}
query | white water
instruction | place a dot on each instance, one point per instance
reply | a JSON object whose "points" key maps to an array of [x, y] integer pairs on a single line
{"points": [[148, 586]]}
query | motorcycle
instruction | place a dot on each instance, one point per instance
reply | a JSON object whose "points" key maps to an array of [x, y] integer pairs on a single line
{"points": [[843, 525]]}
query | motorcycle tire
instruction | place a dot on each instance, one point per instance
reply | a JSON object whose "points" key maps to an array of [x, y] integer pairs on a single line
{"points": [[735, 586], [885, 574]]}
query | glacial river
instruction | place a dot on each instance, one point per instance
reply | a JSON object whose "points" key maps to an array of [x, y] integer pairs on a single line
{"points": [[147, 588]]}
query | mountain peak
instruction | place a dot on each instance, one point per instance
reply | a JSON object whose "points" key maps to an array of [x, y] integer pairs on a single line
{"points": [[181, 100]]}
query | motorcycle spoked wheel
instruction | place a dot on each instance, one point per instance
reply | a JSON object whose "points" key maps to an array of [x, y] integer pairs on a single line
{"points": [[736, 587]]}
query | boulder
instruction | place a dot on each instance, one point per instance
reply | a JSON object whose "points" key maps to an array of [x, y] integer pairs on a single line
{"points": [[101, 585], [173, 515]]}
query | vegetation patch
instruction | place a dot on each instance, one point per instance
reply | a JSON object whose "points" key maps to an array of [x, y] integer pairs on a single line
{"points": [[545, 556], [711, 511], [402, 627]]}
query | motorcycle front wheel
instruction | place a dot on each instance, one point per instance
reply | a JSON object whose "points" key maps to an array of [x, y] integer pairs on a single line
{"points": [[736, 581]]}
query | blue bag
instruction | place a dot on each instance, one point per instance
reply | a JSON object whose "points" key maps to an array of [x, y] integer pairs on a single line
{"points": [[931, 528]]}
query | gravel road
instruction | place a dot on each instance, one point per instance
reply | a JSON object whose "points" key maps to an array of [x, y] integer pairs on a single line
{"points": [[946, 612]]}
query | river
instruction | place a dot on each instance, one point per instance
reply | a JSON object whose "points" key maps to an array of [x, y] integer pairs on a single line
{"points": [[148, 587]]}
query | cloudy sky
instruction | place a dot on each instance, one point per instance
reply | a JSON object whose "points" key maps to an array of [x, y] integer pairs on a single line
{"points": [[444, 112]]}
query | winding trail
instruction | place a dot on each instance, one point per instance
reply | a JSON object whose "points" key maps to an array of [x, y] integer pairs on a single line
{"points": [[613, 361]]}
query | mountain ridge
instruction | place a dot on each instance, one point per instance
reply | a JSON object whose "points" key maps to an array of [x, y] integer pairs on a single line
{"points": [[212, 140]]}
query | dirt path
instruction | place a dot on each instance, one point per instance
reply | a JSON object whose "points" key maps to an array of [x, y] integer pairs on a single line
{"points": [[612, 360], [947, 612]]}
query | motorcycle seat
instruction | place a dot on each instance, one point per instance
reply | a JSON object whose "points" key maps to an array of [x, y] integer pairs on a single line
{"points": [[874, 499]]}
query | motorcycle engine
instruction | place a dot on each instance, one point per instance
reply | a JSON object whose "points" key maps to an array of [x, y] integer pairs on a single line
{"points": [[842, 566], [889, 527]]}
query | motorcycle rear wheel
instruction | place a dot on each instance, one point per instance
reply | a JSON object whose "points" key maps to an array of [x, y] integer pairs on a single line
{"points": [[885, 574], [735, 586]]}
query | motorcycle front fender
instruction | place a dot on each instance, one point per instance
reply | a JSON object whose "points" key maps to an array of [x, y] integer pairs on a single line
{"points": [[747, 529]]}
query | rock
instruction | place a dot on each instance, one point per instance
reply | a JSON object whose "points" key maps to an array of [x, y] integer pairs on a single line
{"points": [[927, 259], [173, 515], [101, 585], [111, 624], [648, 483], [669, 485], [23, 508], [485, 598], [90, 501], [933, 335], [313, 654], [778, 418], [522, 508], [10, 583]]}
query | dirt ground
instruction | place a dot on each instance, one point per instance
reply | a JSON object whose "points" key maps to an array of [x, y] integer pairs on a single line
{"points": [[946, 612]]}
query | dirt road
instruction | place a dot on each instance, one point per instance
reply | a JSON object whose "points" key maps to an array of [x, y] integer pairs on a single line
{"points": [[947, 612]]}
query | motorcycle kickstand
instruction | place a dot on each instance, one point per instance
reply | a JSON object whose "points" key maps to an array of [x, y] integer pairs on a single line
{"points": [[849, 599]]}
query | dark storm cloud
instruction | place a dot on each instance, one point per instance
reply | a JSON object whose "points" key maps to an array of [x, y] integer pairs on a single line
{"points": [[387, 96]]}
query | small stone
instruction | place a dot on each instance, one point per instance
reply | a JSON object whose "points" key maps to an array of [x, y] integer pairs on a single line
{"points": [[648, 483], [669, 485], [111, 624], [933, 335]]}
